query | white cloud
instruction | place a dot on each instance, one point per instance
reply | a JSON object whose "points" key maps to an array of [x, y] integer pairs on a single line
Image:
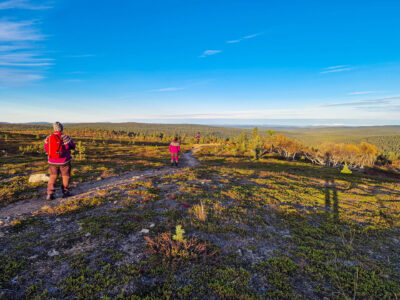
{"points": [[25, 64], [22, 4], [380, 109], [335, 69], [13, 47], [22, 56], [368, 104], [80, 55], [245, 37], [252, 35], [24, 59], [210, 52], [19, 43], [364, 93], [12, 77], [19, 31], [233, 41], [169, 89]]}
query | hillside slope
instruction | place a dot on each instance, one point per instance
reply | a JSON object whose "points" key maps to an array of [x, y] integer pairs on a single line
{"points": [[252, 230]]}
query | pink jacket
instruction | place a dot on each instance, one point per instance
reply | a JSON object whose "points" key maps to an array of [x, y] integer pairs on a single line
{"points": [[174, 148], [66, 153]]}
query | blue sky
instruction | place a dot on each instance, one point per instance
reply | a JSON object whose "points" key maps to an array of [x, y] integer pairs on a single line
{"points": [[220, 62]]}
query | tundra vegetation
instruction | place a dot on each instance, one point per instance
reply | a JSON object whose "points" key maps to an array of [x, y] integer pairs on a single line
{"points": [[258, 218]]}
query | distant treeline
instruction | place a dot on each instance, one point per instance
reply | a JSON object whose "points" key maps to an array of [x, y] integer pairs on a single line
{"points": [[386, 138], [135, 128]]}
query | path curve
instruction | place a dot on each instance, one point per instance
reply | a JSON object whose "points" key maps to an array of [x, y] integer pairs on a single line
{"points": [[19, 209]]}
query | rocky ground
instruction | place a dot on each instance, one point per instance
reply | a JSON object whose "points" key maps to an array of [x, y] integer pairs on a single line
{"points": [[267, 229]]}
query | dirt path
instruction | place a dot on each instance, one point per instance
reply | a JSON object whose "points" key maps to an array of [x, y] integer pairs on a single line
{"points": [[19, 209]]}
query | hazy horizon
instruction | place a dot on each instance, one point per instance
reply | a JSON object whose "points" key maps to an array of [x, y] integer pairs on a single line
{"points": [[247, 123]]}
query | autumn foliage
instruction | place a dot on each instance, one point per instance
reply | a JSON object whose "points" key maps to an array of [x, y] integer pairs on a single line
{"points": [[329, 154], [173, 250]]}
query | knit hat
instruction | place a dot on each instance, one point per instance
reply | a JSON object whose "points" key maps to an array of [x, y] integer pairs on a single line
{"points": [[57, 126]]}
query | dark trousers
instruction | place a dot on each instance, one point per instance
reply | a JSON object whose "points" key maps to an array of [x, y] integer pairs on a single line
{"points": [[55, 170]]}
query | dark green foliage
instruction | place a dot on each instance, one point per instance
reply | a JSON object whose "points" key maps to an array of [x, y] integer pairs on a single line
{"points": [[389, 144], [9, 268], [278, 271]]}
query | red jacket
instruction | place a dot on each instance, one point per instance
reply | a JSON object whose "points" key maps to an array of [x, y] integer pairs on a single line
{"points": [[65, 156], [174, 148]]}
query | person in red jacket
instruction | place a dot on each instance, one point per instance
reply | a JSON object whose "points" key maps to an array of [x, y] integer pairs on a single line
{"points": [[174, 149], [198, 138], [58, 147]]}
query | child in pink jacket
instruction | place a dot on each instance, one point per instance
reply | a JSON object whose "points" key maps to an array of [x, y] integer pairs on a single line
{"points": [[174, 149]]}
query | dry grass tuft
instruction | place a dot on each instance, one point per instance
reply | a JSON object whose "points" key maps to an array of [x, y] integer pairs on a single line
{"points": [[200, 212]]}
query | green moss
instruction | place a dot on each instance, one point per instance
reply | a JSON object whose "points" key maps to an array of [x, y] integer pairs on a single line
{"points": [[106, 225], [21, 224], [278, 271], [223, 282], [9, 268]]}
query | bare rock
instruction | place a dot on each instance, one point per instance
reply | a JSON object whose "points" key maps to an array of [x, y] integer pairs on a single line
{"points": [[53, 253], [37, 178]]}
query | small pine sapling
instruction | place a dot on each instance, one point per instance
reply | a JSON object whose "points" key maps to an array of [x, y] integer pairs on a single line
{"points": [[179, 232], [81, 151], [346, 169]]}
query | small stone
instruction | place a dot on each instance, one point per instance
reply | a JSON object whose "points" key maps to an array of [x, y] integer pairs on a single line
{"points": [[88, 234], [58, 220], [287, 236], [53, 253], [33, 257], [144, 230], [38, 178], [239, 251], [1, 234], [14, 280], [270, 228], [152, 225]]}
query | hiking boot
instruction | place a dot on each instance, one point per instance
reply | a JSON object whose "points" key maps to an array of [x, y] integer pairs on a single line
{"points": [[50, 197], [176, 164], [66, 194], [172, 164]]}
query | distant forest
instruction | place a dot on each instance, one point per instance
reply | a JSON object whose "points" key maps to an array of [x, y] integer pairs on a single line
{"points": [[132, 127], [386, 138]]}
